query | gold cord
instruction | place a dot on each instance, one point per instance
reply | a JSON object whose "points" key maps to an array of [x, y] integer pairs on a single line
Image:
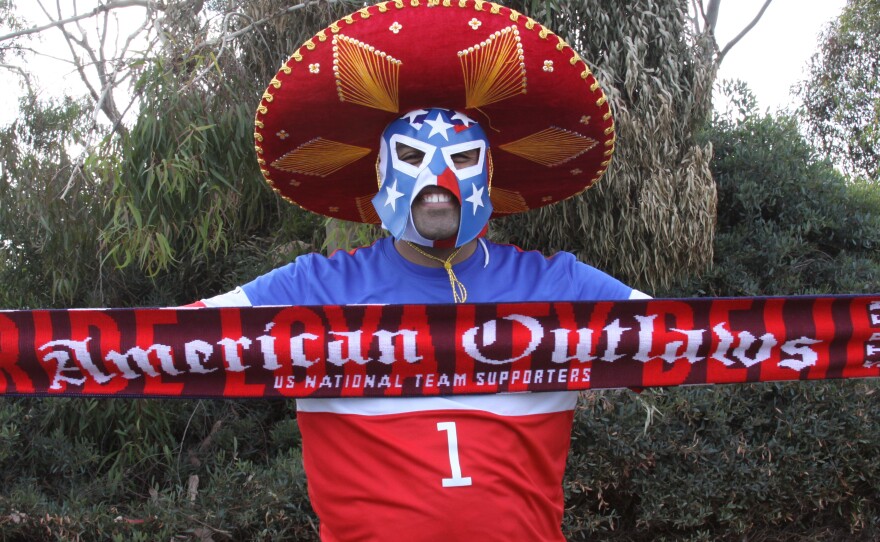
{"points": [[459, 292]]}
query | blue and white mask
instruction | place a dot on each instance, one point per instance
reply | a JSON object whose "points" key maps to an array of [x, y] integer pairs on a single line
{"points": [[440, 134]]}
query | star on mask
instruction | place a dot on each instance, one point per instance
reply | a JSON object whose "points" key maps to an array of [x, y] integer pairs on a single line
{"points": [[393, 196], [438, 126], [411, 117], [466, 120], [476, 199]]}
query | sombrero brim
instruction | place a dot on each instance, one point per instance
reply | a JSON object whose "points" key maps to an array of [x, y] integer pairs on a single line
{"points": [[319, 122]]}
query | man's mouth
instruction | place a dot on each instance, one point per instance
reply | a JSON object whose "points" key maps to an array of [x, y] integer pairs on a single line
{"points": [[436, 198], [436, 195]]}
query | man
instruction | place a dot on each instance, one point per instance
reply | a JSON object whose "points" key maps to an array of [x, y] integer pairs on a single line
{"points": [[396, 91]]}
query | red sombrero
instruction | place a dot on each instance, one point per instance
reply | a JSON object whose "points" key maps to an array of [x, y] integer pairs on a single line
{"points": [[319, 123]]}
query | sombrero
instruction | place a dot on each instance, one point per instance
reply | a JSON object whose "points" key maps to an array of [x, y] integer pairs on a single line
{"points": [[319, 121]]}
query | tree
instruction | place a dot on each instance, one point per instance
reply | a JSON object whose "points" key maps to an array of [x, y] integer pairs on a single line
{"points": [[650, 219], [788, 222], [48, 243], [648, 222], [842, 96]]}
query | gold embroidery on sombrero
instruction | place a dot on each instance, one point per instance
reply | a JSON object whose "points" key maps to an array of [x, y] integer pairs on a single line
{"points": [[366, 210], [551, 146], [365, 75], [507, 201], [320, 157], [494, 69]]}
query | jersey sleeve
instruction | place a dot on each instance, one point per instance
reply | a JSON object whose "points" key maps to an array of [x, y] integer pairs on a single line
{"points": [[590, 284], [286, 285]]}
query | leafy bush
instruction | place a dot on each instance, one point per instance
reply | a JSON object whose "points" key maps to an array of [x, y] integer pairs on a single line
{"points": [[777, 461], [788, 222]]}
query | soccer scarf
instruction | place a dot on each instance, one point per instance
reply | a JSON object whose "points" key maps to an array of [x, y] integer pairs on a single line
{"points": [[425, 350]]}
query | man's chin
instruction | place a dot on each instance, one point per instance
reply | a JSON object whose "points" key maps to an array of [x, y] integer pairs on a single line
{"points": [[438, 234]]}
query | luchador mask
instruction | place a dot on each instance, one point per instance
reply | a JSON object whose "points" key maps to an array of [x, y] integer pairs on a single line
{"points": [[439, 134]]}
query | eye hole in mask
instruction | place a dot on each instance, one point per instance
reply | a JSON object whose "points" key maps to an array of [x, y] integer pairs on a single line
{"points": [[466, 159], [410, 155]]}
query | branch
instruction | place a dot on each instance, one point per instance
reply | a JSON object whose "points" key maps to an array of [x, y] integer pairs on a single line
{"points": [[24, 75], [745, 31], [102, 8], [227, 37], [697, 8], [711, 14], [231, 36]]}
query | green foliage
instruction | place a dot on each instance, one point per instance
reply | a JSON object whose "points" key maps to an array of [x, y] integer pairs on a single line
{"points": [[788, 223], [50, 211], [188, 197], [102, 469], [842, 96], [781, 462], [172, 210], [650, 219]]}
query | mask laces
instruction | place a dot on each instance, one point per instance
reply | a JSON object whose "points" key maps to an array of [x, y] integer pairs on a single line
{"points": [[459, 292]]}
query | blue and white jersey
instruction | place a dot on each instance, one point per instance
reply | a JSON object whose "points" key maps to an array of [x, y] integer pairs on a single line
{"points": [[379, 274]]}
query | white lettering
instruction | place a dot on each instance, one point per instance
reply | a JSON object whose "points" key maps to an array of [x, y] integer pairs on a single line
{"points": [[875, 313], [646, 335], [61, 358], [800, 347], [694, 342], [725, 340], [470, 345], [614, 332], [582, 350], [298, 350], [386, 345], [231, 353], [198, 353], [353, 341], [142, 361], [81, 355], [267, 347]]}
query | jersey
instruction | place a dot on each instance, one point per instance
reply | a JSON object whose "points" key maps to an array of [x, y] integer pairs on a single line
{"points": [[434, 468]]}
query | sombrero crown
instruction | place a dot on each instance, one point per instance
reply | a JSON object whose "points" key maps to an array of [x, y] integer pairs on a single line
{"points": [[319, 121]]}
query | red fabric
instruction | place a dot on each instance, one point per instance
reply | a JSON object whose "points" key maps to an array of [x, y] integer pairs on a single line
{"points": [[416, 350], [512, 466]]}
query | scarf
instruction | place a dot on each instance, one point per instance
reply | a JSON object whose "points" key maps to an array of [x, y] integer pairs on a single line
{"points": [[425, 350]]}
